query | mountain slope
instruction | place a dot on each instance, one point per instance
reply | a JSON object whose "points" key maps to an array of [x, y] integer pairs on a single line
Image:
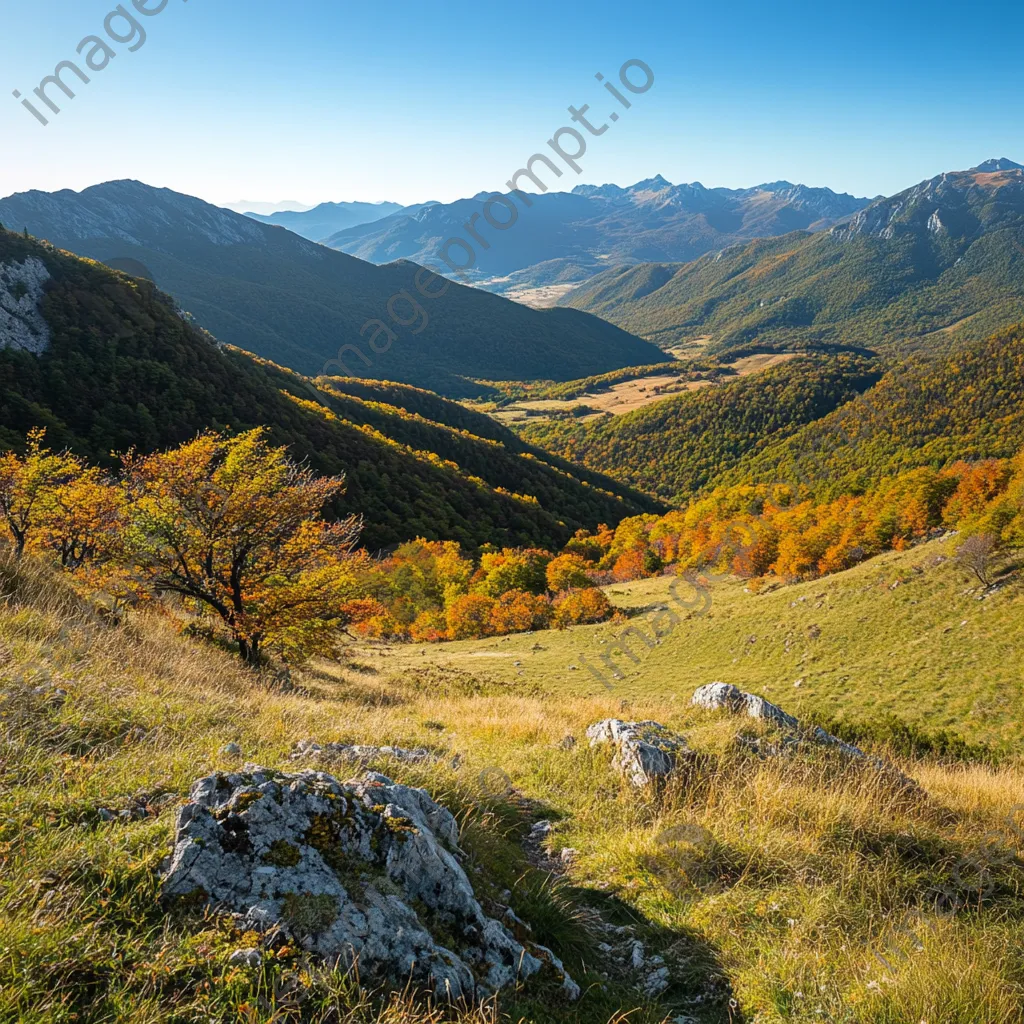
{"points": [[285, 298], [327, 218], [675, 447], [941, 260], [102, 361], [580, 232], [968, 405]]}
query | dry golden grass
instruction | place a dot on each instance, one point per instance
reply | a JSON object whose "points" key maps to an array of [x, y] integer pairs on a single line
{"points": [[789, 876]]}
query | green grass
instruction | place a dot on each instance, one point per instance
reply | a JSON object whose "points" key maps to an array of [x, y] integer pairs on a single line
{"points": [[900, 634], [797, 866]]}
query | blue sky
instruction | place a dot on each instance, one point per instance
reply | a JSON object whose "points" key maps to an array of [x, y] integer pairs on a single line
{"points": [[313, 100]]}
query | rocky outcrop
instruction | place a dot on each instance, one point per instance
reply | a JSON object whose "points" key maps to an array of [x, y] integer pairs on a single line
{"points": [[21, 291], [364, 872], [645, 751], [726, 697]]}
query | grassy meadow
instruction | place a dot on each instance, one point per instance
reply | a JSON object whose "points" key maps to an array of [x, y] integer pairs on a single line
{"points": [[904, 633], [801, 888]]}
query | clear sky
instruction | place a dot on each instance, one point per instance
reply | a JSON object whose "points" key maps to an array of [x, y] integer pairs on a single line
{"points": [[314, 100]]}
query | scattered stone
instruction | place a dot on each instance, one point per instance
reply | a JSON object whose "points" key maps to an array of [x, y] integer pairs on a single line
{"points": [[656, 982], [232, 749], [357, 752], [361, 871], [645, 751], [567, 742], [568, 854], [246, 958]]}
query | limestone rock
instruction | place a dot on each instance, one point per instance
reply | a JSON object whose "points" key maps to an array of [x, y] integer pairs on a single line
{"points": [[645, 751], [356, 752], [364, 871], [246, 958], [22, 286], [725, 696]]}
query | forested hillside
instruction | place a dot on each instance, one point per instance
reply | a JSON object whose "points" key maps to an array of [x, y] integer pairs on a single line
{"points": [[120, 370], [675, 447], [939, 262], [969, 405]]}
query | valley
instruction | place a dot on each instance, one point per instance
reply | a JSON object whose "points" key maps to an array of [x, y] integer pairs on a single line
{"points": [[626, 396], [630, 635], [890, 637]]}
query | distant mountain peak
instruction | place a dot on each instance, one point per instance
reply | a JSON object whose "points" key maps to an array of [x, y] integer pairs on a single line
{"points": [[657, 182], [1002, 164]]}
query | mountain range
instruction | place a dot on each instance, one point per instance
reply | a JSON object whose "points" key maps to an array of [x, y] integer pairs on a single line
{"points": [[566, 237], [939, 261], [301, 305], [327, 218], [104, 363]]}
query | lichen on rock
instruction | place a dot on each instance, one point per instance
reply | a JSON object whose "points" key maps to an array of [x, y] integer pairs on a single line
{"points": [[340, 867]]}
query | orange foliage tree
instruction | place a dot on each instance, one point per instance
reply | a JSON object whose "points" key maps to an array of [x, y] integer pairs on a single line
{"points": [[469, 616], [517, 611], [577, 607], [568, 572]]}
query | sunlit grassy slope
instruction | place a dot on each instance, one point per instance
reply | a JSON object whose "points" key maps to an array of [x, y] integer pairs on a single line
{"points": [[904, 633], [797, 872]]}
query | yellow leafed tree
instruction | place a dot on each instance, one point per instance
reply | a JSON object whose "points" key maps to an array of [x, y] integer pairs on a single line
{"points": [[235, 525], [28, 484]]}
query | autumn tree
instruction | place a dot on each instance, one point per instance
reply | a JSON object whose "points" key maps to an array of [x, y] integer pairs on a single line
{"points": [[83, 520], [578, 607], [516, 611], [568, 572], [977, 555], [430, 627], [513, 569], [233, 524], [630, 565], [469, 616], [28, 483]]}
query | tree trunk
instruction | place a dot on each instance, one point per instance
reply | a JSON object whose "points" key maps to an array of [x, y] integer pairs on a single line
{"points": [[249, 650]]}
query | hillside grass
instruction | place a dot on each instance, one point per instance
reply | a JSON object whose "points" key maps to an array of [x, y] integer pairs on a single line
{"points": [[797, 865], [904, 633]]}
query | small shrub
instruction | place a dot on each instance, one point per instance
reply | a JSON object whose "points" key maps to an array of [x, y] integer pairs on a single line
{"points": [[309, 914]]}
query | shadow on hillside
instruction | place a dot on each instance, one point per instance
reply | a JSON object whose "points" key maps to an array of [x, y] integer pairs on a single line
{"points": [[587, 925]]}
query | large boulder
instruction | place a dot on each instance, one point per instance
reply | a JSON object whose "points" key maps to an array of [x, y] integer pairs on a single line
{"points": [[645, 751], [726, 697], [364, 871]]}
